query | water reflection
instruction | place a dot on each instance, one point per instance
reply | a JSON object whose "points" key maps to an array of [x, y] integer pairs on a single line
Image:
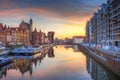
{"points": [[3, 70], [55, 64], [51, 52], [75, 48]]}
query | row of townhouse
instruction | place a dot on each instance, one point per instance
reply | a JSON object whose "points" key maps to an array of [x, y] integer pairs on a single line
{"points": [[103, 29], [23, 34], [16, 35], [42, 38]]}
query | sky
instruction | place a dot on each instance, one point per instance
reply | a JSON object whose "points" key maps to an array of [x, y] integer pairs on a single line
{"points": [[66, 17]]}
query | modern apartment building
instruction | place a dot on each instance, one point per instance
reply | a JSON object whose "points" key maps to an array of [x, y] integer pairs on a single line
{"points": [[105, 25]]}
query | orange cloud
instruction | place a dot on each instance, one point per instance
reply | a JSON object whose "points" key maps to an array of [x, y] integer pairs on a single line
{"points": [[13, 14]]}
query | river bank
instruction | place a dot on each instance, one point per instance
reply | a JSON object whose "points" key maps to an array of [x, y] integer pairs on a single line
{"points": [[103, 58]]}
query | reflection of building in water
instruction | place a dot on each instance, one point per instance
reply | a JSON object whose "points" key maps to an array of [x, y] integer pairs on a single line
{"points": [[51, 52], [24, 65], [3, 70], [97, 72], [3, 73], [75, 48]]}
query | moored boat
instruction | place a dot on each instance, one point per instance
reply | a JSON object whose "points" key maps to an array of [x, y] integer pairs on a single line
{"points": [[5, 61], [1, 47], [26, 50]]}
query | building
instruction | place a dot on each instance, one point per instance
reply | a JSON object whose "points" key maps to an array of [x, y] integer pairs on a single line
{"points": [[35, 37], [93, 24], [24, 35], [51, 36], [105, 25], [3, 37], [88, 32], [78, 39], [28, 29], [114, 22]]}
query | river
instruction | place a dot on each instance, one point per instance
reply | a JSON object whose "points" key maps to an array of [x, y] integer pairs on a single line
{"points": [[55, 63]]}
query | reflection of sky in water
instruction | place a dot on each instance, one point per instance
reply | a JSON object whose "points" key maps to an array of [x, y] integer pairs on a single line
{"points": [[66, 65]]}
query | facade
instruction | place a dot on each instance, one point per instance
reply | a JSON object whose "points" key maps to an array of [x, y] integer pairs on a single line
{"points": [[78, 39], [24, 35], [51, 36], [114, 22], [104, 26], [35, 37], [3, 38]]}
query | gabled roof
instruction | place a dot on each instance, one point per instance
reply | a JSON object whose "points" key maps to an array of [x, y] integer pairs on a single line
{"points": [[24, 25]]}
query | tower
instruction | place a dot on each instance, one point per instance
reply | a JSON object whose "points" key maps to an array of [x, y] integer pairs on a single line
{"points": [[31, 28], [51, 36]]}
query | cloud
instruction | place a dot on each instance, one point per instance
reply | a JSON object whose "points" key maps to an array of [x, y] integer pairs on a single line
{"points": [[63, 14], [74, 10], [15, 13]]}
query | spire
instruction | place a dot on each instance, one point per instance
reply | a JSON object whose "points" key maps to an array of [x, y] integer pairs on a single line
{"points": [[5, 26], [40, 31], [31, 21], [35, 30]]}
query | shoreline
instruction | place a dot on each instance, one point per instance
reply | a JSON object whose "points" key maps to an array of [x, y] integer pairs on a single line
{"points": [[108, 63]]}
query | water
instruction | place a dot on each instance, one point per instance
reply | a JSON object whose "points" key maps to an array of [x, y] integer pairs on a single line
{"points": [[58, 63]]}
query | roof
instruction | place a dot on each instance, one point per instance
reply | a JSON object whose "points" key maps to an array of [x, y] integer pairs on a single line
{"points": [[24, 25], [51, 32], [79, 37]]}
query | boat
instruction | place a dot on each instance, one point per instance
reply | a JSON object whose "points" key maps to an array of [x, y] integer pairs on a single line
{"points": [[26, 50], [5, 61], [1, 47]]}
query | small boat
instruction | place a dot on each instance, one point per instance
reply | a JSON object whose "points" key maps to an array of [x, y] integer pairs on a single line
{"points": [[26, 50], [5, 61], [1, 47]]}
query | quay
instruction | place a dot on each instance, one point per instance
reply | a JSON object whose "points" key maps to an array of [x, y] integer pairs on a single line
{"points": [[110, 61]]}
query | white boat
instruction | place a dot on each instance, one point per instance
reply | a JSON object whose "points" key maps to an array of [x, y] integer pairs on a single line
{"points": [[26, 50], [4, 61], [1, 47]]}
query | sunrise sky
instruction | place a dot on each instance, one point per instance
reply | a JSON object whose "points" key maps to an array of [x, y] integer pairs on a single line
{"points": [[66, 17]]}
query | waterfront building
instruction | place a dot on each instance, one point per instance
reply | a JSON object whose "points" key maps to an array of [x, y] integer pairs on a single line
{"points": [[103, 26], [114, 22], [43, 38], [51, 36], [78, 39], [3, 38], [40, 37], [103, 29], [24, 35], [94, 29], [35, 37], [88, 30], [27, 27], [46, 39]]}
